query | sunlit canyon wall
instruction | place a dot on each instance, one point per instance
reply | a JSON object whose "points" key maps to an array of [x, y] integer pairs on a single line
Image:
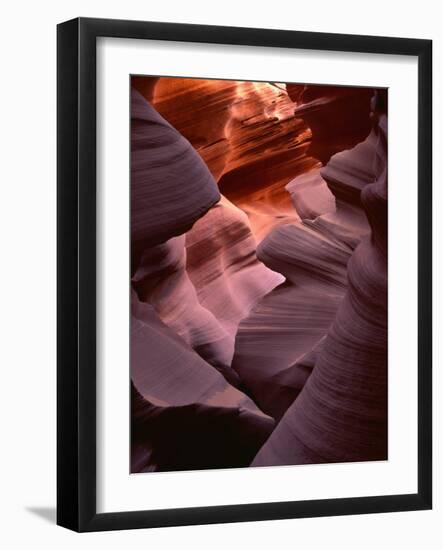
{"points": [[259, 274]]}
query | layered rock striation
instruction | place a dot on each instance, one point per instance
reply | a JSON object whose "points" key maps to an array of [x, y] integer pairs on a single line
{"points": [[185, 401], [182, 408], [341, 412], [273, 342], [249, 137], [244, 353], [171, 187]]}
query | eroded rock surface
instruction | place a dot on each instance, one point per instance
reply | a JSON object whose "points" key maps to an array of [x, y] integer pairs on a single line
{"points": [[259, 243], [182, 406], [341, 412]]}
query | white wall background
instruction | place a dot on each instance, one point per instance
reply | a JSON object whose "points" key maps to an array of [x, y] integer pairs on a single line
{"points": [[27, 275]]}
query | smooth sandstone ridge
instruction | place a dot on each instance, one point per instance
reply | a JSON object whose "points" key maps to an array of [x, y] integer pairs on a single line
{"points": [[340, 414], [259, 279]]}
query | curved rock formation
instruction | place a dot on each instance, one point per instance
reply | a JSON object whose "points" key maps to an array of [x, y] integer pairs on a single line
{"points": [[171, 186], [310, 195], [328, 198], [272, 343], [175, 388], [204, 290], [145, 85], [223, 266], [193, 437], [313, 256], [248, 135], [306, 257], [267, 148], [338, 116], [200, 110], [162, 281], [308, 322], [257, 136], [341, 412], [167, 373]]}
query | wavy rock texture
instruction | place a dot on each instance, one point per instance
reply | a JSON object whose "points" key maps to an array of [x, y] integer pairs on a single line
{"points": [[341, 412], [181, 391], [310, 195], [204, 290], [333, 206], [250, 139], [175, 340], [163, 281], [223, 266], [229, 337], [200, 110], [272, 342], [268, 148], [171, 187], [282, 330], [328, 197]]}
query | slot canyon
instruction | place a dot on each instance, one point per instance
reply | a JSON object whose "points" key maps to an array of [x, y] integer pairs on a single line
{"points": [[258, 274]]}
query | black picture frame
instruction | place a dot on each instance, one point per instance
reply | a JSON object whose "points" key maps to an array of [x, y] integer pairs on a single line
{"points": [[76, 281]]}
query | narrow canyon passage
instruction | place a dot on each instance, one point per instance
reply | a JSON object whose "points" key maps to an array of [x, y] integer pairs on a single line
{"points": [[246, 211]]}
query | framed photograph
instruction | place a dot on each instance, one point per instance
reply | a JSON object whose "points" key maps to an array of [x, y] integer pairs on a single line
{"points": [[244, 274]]}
